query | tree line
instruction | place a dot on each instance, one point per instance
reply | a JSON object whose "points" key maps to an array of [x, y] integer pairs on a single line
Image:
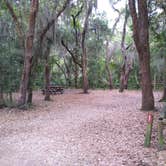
{"points": [[70, 43]]}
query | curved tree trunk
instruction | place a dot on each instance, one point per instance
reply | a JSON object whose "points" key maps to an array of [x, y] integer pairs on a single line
{"points": [[141, 39]]}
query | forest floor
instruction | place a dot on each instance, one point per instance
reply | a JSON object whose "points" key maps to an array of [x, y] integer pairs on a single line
{"points": [[102, 128]]}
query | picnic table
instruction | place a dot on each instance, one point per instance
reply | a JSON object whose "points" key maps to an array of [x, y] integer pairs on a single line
{"points": [[53, 90]]}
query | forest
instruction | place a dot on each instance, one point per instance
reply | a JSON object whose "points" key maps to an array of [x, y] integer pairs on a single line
{"points": [[72, 45]]}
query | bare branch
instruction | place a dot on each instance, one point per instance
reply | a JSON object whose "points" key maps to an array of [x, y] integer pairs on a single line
{"points": [[71, 53]]}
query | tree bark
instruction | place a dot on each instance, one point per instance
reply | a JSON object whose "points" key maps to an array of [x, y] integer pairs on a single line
{"points": [[141, 39], [30, 88], [68, 72], [127, 74], [76, 75], [122, 78], [30, 94], [126, 68], [2, 103], [84, 53], [164, 83], [28, 52], [47, 73], [108, 58]]}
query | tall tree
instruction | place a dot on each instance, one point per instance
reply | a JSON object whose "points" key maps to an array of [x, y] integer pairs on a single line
{"points": [[110, 52], [29, 44], [126, 66], [84, 52], [74, 52], [141, 39], [107, 61], [47, 72], [28, 51]]}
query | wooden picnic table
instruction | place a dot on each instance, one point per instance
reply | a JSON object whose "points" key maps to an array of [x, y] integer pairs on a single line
{"points": [[53, 90]]}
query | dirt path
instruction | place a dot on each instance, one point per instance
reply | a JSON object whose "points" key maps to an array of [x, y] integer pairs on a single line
{"points": [[103, 128]]}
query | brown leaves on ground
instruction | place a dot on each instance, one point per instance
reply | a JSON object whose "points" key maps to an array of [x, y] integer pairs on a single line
{"points": [[103, 128]]}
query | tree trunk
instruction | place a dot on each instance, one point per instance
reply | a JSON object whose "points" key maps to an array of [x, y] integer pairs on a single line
{"points": [[129, 68], [154, 81], [164, 82], [47, 73], [84, 54], [141, 39], [147, 94], [68, 73], [110, 82], [84, 71], [28, 53], [107, 60], [2, 104], [122, 78], [125, 70], [76, 75], [30, 91]]}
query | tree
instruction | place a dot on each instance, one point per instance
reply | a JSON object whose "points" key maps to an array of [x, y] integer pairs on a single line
{"points": [[84, 52], [80, 41], [28, 52], [47, 70], [126, 66], [107, 60], [141, 39], [75, 50], [29, 44], [157, 20]]}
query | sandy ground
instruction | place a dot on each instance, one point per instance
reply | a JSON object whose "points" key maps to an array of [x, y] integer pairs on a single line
{"points": [[103, 128]]}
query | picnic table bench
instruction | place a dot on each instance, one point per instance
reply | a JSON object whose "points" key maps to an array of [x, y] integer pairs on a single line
{"points": [[53, 90]]}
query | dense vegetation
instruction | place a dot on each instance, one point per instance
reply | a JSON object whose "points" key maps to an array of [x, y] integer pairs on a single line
{"points": [[71, 43]]}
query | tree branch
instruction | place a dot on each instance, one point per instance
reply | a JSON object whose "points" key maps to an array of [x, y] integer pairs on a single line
{"points": [[52, 21], [71, 53], [15, 19], [74, 22]]}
